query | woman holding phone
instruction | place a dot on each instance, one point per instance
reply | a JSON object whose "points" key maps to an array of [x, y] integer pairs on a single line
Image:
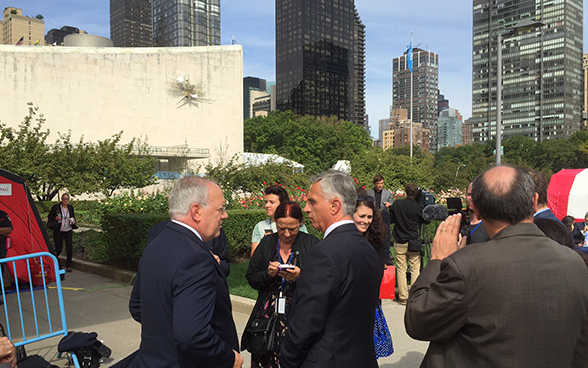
{"points": [[273, 271]]}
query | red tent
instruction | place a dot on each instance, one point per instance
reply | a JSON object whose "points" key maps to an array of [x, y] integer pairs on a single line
{"points": [[28, 234], [567, 193]]}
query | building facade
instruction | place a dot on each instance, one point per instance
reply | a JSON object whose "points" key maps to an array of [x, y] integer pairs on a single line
{"points": [[541, 76], [359, 72], [131, 23], [17, 27], [425, 81], [186, 23], [315, 58], [449, 128], [466, 132], [585, 84], [56, 36], [149, 93]]}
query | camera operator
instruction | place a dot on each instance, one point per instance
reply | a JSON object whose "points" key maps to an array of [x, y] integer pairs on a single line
{"points": [[406, 215], [476, 232]]}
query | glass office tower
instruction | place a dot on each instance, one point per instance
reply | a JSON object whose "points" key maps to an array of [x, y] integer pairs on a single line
{"points": [[186, 23], [316, 60], [541, 73], [130, 23]]}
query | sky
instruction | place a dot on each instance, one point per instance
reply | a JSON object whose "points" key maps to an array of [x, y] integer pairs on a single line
{"points": [[444, 27]]}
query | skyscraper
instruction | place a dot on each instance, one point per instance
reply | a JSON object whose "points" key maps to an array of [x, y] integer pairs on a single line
{"points": [[318, 72], [449, 128], [186, 23], [130, 23], [425, 67], [541, 76]]}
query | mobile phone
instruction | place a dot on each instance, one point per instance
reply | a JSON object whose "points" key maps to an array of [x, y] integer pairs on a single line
{"points": [[268, 231], [284, 267]]}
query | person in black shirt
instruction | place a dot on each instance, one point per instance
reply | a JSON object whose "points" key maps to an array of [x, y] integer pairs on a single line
{"points": [[406, 215], [476, 231]]}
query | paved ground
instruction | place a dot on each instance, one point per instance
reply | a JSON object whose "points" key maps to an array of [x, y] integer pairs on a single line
{"points": [[103, 308]]}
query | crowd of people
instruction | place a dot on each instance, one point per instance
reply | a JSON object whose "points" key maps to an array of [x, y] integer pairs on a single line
{"points": [[497, 293], [507, 289]]}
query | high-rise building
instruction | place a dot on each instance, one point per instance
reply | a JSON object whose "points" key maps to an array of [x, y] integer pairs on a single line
{"points": [[186, 23], [22, 30], [466, 132], [541, 76], [55, 36], [316, 58], [449, 128], [442, 103], [130, 23], [253, 88], [398, 133], [383, 125], [359, 72], [425, 91]]}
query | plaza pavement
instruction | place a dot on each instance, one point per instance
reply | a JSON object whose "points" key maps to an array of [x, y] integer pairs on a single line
{"points": [[99, 304]]}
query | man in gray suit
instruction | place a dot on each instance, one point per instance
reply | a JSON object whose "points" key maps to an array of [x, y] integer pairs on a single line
{"points": [[383, 197], [518, 300]]}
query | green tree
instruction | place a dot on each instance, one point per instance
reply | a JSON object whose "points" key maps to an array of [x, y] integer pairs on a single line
{"points": [[317, 143], [125, 166], [397, 169]]}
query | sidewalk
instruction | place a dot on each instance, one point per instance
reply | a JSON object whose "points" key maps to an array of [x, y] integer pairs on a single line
{"points": [[103, 308]]}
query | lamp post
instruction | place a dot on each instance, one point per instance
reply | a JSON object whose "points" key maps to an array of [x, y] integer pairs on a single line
{"points": [[457, 172], [523, 25]]}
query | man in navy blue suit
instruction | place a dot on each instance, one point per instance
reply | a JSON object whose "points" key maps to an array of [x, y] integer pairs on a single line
{"points": [[333, 311], [181, 296]]}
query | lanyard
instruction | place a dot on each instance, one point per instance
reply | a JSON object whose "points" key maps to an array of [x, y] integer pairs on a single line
{"points": [[288, 262], [472, 233]]}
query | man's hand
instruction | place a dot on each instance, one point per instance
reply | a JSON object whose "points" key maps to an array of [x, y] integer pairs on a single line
{"points": [[387, 204], [238, 360], [8, 352], [446, 240], [216, 257]]}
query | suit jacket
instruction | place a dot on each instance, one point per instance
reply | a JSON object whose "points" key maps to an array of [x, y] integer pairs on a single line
{"points": [[333, 310], [386, 197], [548, 214], [217, 245], [181, 299], [518, 300]]}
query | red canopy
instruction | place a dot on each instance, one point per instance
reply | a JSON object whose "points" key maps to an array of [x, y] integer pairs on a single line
{"points": [[567, 193], [28, 234]]}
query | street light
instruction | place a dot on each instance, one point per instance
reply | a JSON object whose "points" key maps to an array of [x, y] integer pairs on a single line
{"points": [[523, 25], [457, 171]]}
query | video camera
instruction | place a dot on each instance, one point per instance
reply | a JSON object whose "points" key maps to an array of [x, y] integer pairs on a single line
{"points": [[455, 206], [425, 198]]}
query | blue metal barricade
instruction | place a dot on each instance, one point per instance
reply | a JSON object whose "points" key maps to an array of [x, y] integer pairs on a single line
{"points": [[45, 310]]}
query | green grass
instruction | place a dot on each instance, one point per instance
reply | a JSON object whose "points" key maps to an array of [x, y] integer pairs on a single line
{"points": [[238, 283]]}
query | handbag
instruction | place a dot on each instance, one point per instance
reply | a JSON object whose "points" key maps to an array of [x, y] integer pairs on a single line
{"points": [[51, 225], [415, 246], [388, 283], [382, 339], [261, 335]]}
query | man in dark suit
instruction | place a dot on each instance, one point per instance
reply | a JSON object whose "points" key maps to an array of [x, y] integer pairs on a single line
{"points": [[541, 185], [180, 295], [217, 246], [518, 300], [333, 310]]}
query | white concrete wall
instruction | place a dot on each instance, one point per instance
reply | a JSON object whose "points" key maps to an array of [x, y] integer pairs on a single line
{"points": [[97, 92]]}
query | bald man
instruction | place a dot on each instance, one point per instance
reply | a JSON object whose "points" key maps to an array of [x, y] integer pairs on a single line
{"points": [[518, 300]]}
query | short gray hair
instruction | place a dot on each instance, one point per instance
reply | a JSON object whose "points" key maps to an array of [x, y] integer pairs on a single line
{"points": [[337, 184], [187, 191]]}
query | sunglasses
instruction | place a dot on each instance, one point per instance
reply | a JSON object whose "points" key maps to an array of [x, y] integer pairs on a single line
{"points": [[365, 198]]}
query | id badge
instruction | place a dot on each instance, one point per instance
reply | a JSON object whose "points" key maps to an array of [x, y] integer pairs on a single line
{"points": [[281, 305]]}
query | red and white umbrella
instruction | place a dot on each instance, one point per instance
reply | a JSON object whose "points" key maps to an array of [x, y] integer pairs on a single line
{"points": [[567, 193]]}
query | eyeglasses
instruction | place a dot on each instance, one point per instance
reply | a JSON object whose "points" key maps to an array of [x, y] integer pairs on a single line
{"points": [[366, 198], [221, 209]]}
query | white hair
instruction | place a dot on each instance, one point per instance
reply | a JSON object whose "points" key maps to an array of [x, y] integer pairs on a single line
{"points": [[337, 184], [187, 191]]}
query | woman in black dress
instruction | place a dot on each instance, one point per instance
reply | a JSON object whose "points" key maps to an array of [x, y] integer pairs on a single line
{"points": [[269, 276]]}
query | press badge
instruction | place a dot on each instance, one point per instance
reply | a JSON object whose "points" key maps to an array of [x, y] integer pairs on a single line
{"points": [[281, 305]]}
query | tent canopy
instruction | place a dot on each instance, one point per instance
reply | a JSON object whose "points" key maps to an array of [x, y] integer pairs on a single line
{"points": [[28, 234], [567, 193]]}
